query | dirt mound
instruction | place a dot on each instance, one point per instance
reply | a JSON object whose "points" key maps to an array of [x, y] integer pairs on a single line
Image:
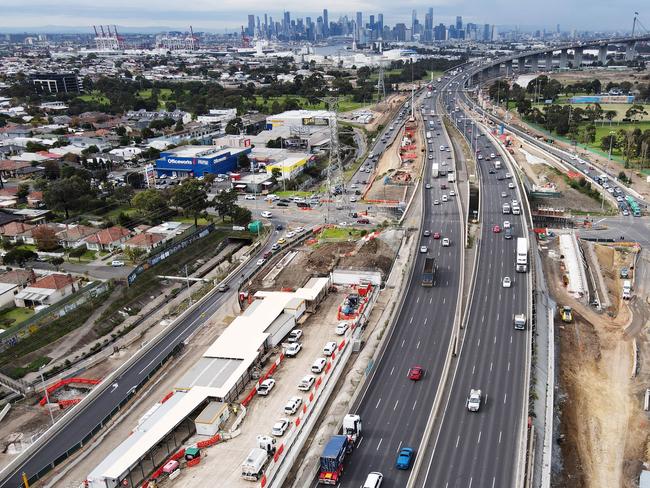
{"points": [[373, 254]]}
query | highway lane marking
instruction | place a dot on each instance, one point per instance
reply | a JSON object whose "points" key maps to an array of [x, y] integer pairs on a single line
{"points": [[414, 404], [498, 314], [500, 432], [494, 480], [378, 402], [379, 443], [470, 482], [505, 397], [457, 441], [395, 407], [391, 371], [418, 300], [510, 339], [444, 299], [508, 365], [403, 341], [400, 446], [473, 369], [479, 342], [360, 441], [499, 296], [411, 321], [482, 318], [479, 436], [495, 339], [491, 366], [425, 320], [430, 300], [418, 345], [485, 300]]}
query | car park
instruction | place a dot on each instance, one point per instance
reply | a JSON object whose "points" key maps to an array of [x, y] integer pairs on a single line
{"points": [[293, 349], [329, 348], [265, 387], [424, 249], [318, 365], [280, 427], [507, 283], [307, 382], [292, 405]]}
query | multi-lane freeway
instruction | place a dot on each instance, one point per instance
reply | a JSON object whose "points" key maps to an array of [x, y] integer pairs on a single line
{"points": [[394, 409], [481, 449], [57, 446]]}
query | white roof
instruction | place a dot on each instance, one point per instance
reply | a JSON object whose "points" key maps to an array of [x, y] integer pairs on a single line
{"points": [[312, 288]]}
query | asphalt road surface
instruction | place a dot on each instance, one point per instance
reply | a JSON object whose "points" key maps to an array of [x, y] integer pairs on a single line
{"points": [[80, 428], [480, 449], [395, 410]]}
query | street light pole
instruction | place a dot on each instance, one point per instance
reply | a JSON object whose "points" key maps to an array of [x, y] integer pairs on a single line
{"points": [[47, 397]]}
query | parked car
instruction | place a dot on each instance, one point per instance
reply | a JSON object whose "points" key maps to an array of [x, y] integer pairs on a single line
{"points": [[266, 214], [318, 365], [329, 348], [294, 335], [306, 382], [265, 387], [117, 263], [292, 405], [293, 349], [280, 427]]}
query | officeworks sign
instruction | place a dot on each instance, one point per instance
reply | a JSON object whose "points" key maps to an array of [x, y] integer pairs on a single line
{"points": [[179, 161]]}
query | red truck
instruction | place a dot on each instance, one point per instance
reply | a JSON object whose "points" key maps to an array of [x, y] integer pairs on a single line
{"points": [[331, 461]]}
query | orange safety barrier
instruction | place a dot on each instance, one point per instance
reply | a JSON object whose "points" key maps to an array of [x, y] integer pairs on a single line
{"points": [[209, 442], [298, 421], [319, 381], [328, 367], [278, 453], [67, 403], [178, 455], [342, 345], [67, 381], [311, 396], [263, 481], [193, 462], [167, 396], [333, 356]]}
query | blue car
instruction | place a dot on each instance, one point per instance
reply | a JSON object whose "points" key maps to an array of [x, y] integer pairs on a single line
{"points": [[404, 458]]}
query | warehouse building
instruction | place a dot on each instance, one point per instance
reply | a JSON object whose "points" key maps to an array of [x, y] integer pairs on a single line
{"points": [[196, 161], [55, 82], [300, 118], [289, 163]]}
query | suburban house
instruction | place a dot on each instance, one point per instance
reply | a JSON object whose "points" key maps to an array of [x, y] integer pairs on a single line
{"points": [[145, 241], [9, 168], [45, 291], [35, 199], [74, 236], [20, 277], [8, 292], [108, 239], [14, 231], [49, 230]]}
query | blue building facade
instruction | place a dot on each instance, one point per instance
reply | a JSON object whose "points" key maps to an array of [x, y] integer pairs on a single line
{"points": [[198, 160]]}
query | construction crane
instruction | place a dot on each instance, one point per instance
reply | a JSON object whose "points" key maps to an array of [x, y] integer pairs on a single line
{"points": [[245, 40]]}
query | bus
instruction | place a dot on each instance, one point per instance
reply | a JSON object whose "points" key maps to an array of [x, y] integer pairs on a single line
{"points": [[634, 207]]}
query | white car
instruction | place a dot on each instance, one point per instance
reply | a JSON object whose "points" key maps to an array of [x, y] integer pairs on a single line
{"points": [[452, 193], [436, 202], [117, 263], [424, 249], [329, 348], [306, 382], [249, 197], [373, 480], [260, 262], [445, 242], [428, 186], [266, 214], [294, 335], [445, 198], [292, 405], [507, 283], [299, 230], [318, 365], [341, 328], [293, 349], [511, 185], [506, 224], [504, 194], [474, 400], [265, 387], [290, 235], [353, 199], [280, 427]]}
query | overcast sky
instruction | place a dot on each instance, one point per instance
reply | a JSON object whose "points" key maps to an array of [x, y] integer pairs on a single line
{"points": [[230, 14]]}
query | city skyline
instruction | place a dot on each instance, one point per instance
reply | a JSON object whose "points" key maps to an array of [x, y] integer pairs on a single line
{"points": [[147, 15]]}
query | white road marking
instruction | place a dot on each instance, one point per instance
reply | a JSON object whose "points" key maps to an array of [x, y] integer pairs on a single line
{"points": [[505, 397], [498, 316], [411, 321], [378, 402], [473, 369], [418, 300], [491, 366], [470, 483], [430, 300], [493, 481], [479, 437], [500, 432], [395, 407], [457, 441], [425, 320], [495, 339], [444, 299], [379, 443], [418, 345], [403, 340], [510, 339], [482, 318], [508, 365], [414, 404], [391, 371], [478, 343]]}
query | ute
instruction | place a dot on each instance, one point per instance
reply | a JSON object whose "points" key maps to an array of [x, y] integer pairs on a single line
{"points": [[567, 314], [474, 400]]}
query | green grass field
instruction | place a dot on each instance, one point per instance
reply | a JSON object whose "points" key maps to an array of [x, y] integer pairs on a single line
{"points": [[95, 97], [345, 103], [340, 233], [15, 315]]}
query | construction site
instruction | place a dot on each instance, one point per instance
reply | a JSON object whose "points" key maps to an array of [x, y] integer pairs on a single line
{"points": [[603, 351]]}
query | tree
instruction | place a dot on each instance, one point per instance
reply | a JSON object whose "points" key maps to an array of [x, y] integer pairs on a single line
{"points": [[276, 173], [192, 197], [45, 237], [610, 140], [57, 261], [135, 179], [51, 170], [243, 161], [179, 125], [589, 134], [123, 194], [241, 215], [77, 252], [68, 194], [208, 178], [22, 191], [634, 110], [225, 202], [134, 253], [18, 256], [609, 115], [152, 205], [234, 126]]}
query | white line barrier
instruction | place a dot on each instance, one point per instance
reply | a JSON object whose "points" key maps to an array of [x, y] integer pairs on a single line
{"points": [[5, 411]]}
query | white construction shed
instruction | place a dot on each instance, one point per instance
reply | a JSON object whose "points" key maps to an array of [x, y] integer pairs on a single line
{"points": [[211, 418]]}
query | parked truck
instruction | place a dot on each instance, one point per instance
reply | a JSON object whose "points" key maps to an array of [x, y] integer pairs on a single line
{"points": [[253, 467], [429, 272], [522, 255], [331, 461], [435, 170]]}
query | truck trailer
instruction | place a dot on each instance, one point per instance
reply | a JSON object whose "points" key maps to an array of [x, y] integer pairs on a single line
{"points": [[429, 272], [253, 467], [331, 461], [435, 170], [522, 255]]}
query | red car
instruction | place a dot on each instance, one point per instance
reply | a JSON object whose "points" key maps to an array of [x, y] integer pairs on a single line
{"points": [[416, 373], [363, 221], [268, 254], [496, 229], [436, 235]]}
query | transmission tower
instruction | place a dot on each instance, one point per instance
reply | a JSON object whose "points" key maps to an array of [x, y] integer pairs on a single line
{"points": [[381, 87], [335, 181]]}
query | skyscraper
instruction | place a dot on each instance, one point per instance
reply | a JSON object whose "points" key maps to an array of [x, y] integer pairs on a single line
{"points": [[251, 25], [414, 20], [380, 25], [286, 22], [459, 23], [428, 25], [326, 23], [359, 25]]}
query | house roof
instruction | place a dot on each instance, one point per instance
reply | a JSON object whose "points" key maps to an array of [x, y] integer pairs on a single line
{"points": [[18, 276], [11, 165], [107, 236], [53, 282], [35, 195], [144, 240], [76, 232], [13, 229]]}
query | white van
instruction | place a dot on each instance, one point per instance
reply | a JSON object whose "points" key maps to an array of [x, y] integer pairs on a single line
{"points": [[627, 289], [373, 480]]}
